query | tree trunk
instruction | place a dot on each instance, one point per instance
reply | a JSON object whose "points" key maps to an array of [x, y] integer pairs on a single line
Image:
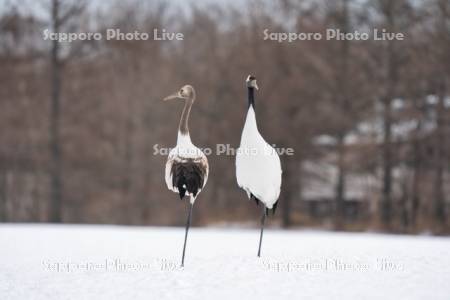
{"points": [[441, 136], [439, 160], [344, 104], [3, 196], [391, 84], [340, 185], [287, 191], [55, 116], [404, 201], [417, 171], [386, 207]]}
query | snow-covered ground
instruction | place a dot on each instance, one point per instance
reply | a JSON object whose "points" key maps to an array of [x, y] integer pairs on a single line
{"points": [[109, 262]]}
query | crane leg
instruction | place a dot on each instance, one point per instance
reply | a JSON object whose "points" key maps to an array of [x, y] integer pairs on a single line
{"points": [[188, 224], [263, 219]]}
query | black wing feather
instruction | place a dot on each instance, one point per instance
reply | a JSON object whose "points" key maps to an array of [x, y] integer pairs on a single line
{"points": [[188, 176]]}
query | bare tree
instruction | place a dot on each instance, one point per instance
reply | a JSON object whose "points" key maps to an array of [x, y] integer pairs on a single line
{"points": [[395, 17], [60, 16], [442, 73], [55, 119]]}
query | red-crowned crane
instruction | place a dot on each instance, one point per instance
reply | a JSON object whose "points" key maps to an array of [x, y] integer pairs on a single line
{"points": [[258, 167], [187, 167]]}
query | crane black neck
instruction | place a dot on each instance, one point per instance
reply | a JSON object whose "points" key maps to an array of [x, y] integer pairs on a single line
{"points": [[251, 97]]}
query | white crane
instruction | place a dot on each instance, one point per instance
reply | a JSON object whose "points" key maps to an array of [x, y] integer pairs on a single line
{"points": [[187, 167], [258, 167]]}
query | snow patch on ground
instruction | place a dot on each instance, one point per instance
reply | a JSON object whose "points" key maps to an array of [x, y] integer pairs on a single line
{"points": [[114, 262]]}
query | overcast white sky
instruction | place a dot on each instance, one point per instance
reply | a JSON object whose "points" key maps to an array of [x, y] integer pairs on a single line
{"points": [[38, 7]]}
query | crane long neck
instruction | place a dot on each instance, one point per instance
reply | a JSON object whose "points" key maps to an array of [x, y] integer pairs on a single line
{"points": [[183, 128], [251, 97]]}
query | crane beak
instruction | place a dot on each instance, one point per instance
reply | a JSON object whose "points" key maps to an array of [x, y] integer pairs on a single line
{"points": [[173, 96]]}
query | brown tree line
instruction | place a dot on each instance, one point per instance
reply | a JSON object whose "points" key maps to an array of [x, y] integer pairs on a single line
{"points": [[80, 121]]}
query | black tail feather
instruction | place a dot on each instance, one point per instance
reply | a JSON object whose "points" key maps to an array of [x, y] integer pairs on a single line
{"points": [[187, 177], [254, 198], [182, 192], [274, 207]]}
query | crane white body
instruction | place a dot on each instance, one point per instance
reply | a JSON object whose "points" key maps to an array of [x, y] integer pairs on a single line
{"points": [[258, 167]]}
